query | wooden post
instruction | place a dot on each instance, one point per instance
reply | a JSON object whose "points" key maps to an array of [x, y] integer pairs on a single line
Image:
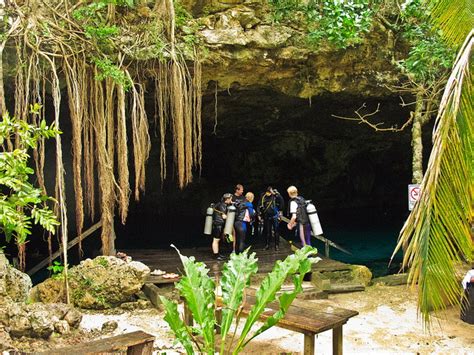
{"points": [[337, 340], [218, 319], [188, 316], [141, 349], [308, 344], [326, 248], [71, 243]]}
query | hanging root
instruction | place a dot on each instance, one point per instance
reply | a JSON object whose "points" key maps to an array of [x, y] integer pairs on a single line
{"points": [[122, 156], [103, 115]]}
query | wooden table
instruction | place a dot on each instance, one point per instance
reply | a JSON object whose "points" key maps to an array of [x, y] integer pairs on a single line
{"points": [[308, 318]]}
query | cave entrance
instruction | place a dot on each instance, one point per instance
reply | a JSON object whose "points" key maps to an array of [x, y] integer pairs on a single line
{"points": [[356, 177]]}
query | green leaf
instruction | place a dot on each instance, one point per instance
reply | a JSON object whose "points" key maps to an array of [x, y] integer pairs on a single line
{"points": [[198, 289], [177, 325], [236, 275], [299, 261]]}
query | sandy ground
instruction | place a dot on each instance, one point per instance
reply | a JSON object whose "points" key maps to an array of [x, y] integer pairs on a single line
{"points": [[387, 324]]}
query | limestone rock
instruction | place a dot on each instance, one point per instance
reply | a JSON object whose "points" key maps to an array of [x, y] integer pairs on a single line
{"points": [[73, 317], [106, 282], [101, 283], [246, 47], [391, 280], [353, 275], [49, 291], [109, 326], [62, 327], [14, 284], [38, 320], [361, 274]]}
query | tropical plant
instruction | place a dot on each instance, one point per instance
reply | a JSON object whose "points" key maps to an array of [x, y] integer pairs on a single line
{"points": [[22, 204], [437, 234], [199, 292], [340, 23], [57, 269]]}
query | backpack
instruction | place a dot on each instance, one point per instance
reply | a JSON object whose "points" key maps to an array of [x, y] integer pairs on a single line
{"points": [[301, 214]]}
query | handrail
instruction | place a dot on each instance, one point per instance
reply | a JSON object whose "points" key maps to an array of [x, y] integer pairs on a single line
{"points": [[326, 241], [73, 242]]}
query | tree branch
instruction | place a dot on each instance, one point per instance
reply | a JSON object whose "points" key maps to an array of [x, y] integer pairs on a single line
{"points": [[362, 119]]}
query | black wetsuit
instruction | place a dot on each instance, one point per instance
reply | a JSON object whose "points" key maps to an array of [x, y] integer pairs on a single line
{"points": [[269, 207], [239, 224], [218, 222]]}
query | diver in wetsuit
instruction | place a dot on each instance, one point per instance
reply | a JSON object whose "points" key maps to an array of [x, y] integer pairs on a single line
{"points": [[218, 221], [270, 208], [239, 225]]}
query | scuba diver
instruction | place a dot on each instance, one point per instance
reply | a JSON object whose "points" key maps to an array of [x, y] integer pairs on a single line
{"points": [[299, 216], [239, 225], [249, 218], [218, 220], [270, 208]]}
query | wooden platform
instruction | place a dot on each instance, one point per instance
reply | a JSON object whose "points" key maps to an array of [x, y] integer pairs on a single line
{"points": [[169, 261]]}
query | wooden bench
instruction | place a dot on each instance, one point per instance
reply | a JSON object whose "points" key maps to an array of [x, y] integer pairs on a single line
{"points": [[308, 318], [135, 343]]}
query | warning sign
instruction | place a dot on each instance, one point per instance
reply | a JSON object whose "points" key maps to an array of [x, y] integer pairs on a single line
{"points": [[414, 194]]}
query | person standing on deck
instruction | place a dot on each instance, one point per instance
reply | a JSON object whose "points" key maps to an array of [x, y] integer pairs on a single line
{"points": [[239, 224], [270, 208], [218, 220], [250, 213], [299, 216]]}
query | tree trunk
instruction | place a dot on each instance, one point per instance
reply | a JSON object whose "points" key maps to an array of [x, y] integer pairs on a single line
{"points": [[417, 140]]}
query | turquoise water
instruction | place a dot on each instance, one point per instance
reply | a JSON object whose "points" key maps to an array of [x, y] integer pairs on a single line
{"points": [[370, 246]]}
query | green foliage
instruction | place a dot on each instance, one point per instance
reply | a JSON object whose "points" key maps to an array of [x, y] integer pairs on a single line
{"points": [[21, 204], [102, 261], [94, 9], [236, 275], [296, 265], [341, 23], [110, 70], [56, 269], [102, 32], [93, 19], [199, 293], [186, 29], [429, 56]]}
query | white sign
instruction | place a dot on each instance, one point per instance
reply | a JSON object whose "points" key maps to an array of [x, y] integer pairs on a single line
{"points": [[414, 194]]}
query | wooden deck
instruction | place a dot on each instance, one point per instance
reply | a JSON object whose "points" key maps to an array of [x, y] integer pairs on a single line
{"points": [[168, 259]]}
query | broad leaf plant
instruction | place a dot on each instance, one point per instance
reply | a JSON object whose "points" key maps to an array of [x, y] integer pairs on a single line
{"points": [[198, 290]]}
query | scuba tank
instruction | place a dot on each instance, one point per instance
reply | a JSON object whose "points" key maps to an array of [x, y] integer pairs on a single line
{"points": [[208, 221], [314, 219], [229, 222]]}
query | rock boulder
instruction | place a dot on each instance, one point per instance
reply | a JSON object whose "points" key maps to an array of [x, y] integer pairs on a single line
{"points": [[14, 284], [100, 283], [39, 320]]}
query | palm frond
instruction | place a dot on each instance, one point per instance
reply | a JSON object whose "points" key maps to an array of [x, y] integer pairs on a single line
{"points": [[454, 17], [437, 232]]}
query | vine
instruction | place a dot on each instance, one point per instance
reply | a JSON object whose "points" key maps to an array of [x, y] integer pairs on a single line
{"points": [[109, 53]]}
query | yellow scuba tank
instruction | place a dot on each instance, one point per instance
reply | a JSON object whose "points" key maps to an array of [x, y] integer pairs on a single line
{"points": [[208, 220], [229, 222], [314, 219]]}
